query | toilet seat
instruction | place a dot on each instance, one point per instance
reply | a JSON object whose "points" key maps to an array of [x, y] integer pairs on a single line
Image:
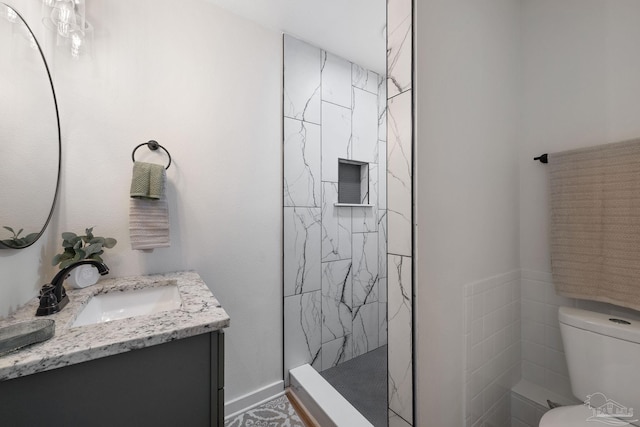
{"points": [[567, 416]]}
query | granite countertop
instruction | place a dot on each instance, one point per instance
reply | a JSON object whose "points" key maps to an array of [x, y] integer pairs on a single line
{"points": [[200, 313]]}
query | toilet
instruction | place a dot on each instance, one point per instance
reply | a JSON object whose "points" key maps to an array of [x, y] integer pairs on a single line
{"points": [[603, 356]]}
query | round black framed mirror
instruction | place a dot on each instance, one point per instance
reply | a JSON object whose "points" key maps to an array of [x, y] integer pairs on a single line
{"points": [[30, 142]]}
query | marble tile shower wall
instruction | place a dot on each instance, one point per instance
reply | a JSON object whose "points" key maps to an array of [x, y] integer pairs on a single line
{"points": [[335, 275], [493, 352], [399, 210]]}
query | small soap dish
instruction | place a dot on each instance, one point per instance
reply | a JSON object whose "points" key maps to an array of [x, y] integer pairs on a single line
{"points": [[22, 334]]}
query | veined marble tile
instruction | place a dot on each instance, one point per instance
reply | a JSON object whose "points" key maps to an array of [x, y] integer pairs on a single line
{"points": [[336, 80], [302, 79], [302, 234], [382, 247], [382, 174], [337, 351], [382, 109], [373, 184], [400, 339], [337, 288], [364, 126], [382, 320], [365, 329], [364, 79], [399, 46], [399, 125], [336, 225], [302, 158], [383, 290], [399, 185], [396, 421], [303, 330], [336, 138], [363, 219], [364, 185], [365, 268]]}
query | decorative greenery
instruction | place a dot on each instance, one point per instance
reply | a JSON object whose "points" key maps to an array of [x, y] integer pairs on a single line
{"points": [[16, 241], [77, 248]]}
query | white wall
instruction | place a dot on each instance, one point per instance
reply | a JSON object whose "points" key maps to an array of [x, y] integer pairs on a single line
{"points": [[206, 85], [467, 103], [352, 29], [580, 71], [580, 88]]}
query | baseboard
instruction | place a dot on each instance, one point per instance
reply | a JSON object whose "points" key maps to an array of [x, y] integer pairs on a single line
{"points": [[253, 399], [539, 395]]}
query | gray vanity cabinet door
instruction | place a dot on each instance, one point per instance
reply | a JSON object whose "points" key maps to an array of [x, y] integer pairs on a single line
{"points": [[172, 384]]}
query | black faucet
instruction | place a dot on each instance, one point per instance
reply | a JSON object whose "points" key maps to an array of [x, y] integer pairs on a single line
{"points": [[53, 296]]}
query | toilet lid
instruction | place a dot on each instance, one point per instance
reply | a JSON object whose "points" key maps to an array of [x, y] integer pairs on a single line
{"points": [[568, 416]]}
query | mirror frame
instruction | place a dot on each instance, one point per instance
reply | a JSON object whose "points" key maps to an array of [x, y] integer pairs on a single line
{"points": [[55, 103]]}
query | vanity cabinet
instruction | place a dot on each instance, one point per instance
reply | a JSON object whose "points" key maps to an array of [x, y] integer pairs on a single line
{"points": [[178, 383]]}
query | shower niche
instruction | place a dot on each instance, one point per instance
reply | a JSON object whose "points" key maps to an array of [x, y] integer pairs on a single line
{"points": [[353, 183]]}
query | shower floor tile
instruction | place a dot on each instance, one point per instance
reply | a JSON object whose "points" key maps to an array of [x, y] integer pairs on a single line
{"points": [[363, 382]]}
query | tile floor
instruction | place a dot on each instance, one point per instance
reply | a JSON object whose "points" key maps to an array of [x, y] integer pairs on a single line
{"points": [[275, 413]]}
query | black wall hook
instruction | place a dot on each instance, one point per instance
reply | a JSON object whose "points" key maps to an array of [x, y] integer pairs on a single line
{"points": [[153, 146], [543, 158]]}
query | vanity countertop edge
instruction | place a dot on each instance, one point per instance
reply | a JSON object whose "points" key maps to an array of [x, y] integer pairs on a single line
{"points": [[200, 313]]}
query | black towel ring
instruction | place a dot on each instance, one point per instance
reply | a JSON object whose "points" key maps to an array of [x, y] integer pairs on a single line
{"points": [[153, 146]]}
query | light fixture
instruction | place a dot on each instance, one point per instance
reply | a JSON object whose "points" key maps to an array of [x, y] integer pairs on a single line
{"points": [[67, 19], [11, 15], [81, 41]]}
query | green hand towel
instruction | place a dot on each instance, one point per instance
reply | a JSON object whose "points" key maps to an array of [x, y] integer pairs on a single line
{"points": [[156, 181], [147, 181]]}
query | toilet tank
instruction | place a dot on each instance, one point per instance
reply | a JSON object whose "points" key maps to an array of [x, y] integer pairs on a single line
{"points": [[603, 356]]}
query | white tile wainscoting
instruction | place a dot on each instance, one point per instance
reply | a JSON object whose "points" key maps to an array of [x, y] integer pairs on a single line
{"points": [[493, 353], [543, 358], [525, 412], [515, 359], [529, 403]]}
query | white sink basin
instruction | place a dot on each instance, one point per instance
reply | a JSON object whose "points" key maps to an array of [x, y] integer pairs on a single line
{"points": [[124, 304]]}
